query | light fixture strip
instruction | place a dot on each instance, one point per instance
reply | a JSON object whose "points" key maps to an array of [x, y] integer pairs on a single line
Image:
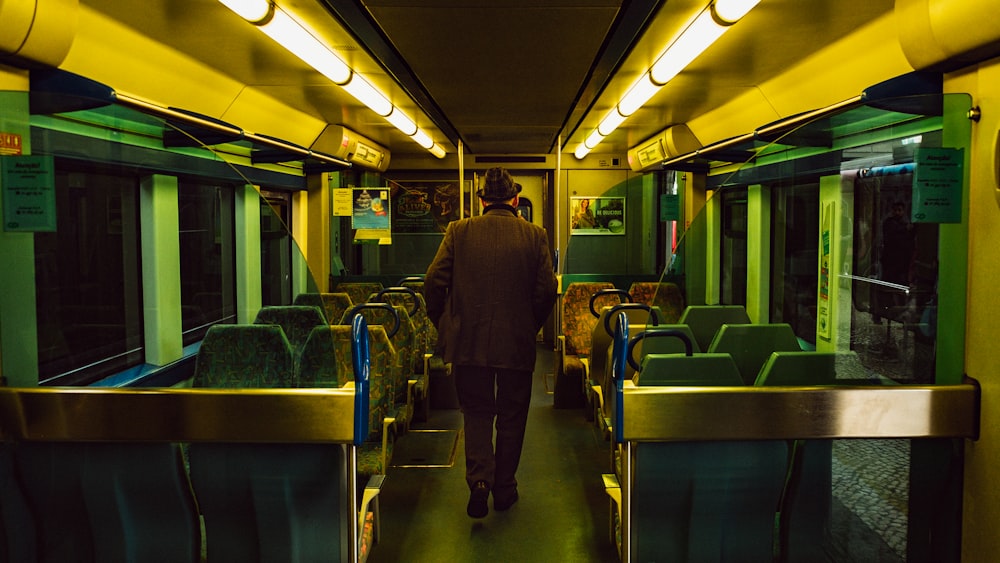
{"points": [[284, 30], [698, 36]]}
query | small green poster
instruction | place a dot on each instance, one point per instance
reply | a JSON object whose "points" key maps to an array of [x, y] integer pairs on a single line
{"points": [[29, 193], [937, 185]]}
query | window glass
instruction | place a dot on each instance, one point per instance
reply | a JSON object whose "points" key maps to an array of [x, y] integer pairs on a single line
{"points": [[794, 269], [734, 247], [207, 255], [89, 298]]}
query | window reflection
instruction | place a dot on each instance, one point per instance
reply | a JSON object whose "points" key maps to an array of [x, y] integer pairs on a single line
{"points": [[89, 299], [207, 256]]}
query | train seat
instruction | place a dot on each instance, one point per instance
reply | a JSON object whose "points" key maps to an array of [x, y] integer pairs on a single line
{"points": [[296, 320], [805, 511], [333, 305], [359, 291], [703, 501], [110, 501], [653, 343], [664, 295], [695, 370], [244, 356], [18, 537], [577, 326], [640, 316], [326, 362], [751, 345], [140, 503], [705, 320], [424, 340], [400, 332]]}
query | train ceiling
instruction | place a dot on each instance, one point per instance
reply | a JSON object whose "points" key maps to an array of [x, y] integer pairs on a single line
{"points": [[502, 77]]}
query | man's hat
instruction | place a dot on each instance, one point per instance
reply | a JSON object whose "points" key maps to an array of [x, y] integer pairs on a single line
{"points": [[498, 185]]}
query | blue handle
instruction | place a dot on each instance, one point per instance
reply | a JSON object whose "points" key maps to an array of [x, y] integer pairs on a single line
{"points": [[618, 354], [362, 366]]}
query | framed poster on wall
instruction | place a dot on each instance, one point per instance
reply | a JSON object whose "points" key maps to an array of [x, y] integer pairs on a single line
{"points": [[370, 214], [424, 206], [597, 215]]}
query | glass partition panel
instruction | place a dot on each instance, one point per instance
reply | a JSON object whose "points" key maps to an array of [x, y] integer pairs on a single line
{"points": [[859, 237], [849, 250], [146, 205]]}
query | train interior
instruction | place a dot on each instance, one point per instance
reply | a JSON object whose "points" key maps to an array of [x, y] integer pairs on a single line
{"points": [[758, 352]]}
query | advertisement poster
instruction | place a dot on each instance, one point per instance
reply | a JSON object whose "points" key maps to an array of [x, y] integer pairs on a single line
{"points": [[597, 215], [370, 214], [424, 206]]}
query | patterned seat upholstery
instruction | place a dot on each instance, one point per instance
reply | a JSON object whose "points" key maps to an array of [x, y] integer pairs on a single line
{"points": [[296, 320], [375, 454], [333, 305], [667, 296], [402, 344], [574, 341], [244, 356], [326, 362], [423, 329], [359, 291]]}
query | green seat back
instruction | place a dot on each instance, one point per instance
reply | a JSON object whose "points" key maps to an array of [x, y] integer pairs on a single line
{"points": [[244, 356], [296, 320], [751, 345], [333, 305], [697, 370], [273, 502], [705, 320], [703, 501]]}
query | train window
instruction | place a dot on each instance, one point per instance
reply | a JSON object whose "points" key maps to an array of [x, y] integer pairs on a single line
{"points": [[733, 285], [207, 256], [794, 270], [88, 278], [276, 248]]}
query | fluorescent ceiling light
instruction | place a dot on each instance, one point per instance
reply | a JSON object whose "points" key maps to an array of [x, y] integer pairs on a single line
{"points": [[423, 139], [594, 139], [292, 36], [610, 122], [732, 11], [638, 95], [402, 122], [365, 93], [438, 151], [254, 11], [702, 32], [710, 24]]}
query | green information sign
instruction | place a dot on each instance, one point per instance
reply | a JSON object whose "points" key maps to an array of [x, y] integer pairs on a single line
{"points": [[937, 186], [670, 207], [29, 193]]}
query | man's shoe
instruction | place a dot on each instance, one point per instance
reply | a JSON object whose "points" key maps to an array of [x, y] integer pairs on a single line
{"points": [[505, 502], [477, 500]]}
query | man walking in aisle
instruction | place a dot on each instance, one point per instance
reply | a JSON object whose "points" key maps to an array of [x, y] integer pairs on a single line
{"points": [[489, 290]]}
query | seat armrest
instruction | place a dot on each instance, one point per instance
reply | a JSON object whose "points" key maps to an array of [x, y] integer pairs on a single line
{"points": [[369, 500]]}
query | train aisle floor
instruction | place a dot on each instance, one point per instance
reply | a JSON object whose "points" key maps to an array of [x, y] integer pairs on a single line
{"points": [[562, 514]]}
